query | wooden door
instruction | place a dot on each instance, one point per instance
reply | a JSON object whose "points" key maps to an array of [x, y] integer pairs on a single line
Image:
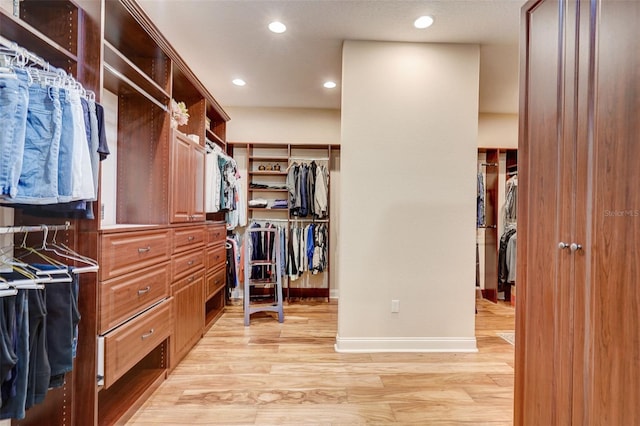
{"points": [[609, 272], [543, 310], [198, 159], [181, 179], [188, 315]]}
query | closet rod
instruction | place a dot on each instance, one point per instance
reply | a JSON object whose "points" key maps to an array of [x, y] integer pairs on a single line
{"points": [[310, 220], [35, 228], [24, 52], [268, 220], [489, 164], [310, 158]]}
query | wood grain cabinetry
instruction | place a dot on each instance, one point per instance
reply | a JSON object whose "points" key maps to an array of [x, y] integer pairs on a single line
{"points": [[115, 51], [577, 322], [187, 289], [187, 179], [188, 311], [125, 252], [128, 344], [215, 280], [123, 297]]}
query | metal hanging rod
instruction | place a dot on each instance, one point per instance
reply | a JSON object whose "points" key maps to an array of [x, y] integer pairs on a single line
{"points": [[310, 158], [310, 220], [489, 164], [34, 228], [24, 52]]}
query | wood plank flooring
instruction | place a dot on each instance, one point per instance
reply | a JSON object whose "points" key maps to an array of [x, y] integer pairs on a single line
{"points": [[289, 374]]}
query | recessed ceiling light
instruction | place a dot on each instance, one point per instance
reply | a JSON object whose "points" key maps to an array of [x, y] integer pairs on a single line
{"points": [[238, 82], [277, 27], [329, 85], [423, 22]]}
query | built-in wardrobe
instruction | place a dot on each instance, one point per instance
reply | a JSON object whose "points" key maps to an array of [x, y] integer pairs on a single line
{"points": [[161, 256], [577, 315]]}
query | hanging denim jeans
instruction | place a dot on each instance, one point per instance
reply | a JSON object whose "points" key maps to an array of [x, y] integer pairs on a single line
{"points": [[38, 182], [16, 387], [14, 98]]}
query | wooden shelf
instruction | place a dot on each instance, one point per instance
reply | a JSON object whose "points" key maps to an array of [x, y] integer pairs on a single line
{"points": [[269, 158], [267, 190], [35, 41], [121, 66]]}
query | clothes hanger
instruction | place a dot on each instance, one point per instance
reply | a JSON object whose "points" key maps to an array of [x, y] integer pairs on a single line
{"points": [[60, 271], [64, 251]]}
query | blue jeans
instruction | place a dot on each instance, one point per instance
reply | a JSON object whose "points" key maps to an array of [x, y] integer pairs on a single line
{"points": [[38, 183], [16, 387], [81, 174], [14, 98]]}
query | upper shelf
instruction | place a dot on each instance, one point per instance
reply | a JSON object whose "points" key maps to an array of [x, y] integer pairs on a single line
{"points": [[120, 67], [30, 38]]}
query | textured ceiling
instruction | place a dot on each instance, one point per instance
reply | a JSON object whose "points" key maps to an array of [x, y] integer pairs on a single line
{"points": [[225, 39]]}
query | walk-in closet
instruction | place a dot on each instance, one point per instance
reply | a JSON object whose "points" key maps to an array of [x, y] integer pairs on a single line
{"points": [[496, 223]]}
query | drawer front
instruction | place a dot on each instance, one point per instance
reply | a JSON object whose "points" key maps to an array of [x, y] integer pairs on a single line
{"points": [[216, 233], [216, 256], [215, 281], [126, 252], [186, 263], [188, 238], [128, 344], [125, 296]]}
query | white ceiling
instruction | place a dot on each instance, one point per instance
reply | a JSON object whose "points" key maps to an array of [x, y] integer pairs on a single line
{"points": [[224, 39]]}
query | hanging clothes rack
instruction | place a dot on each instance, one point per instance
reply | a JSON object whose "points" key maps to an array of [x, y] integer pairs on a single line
{"points": [[34, 228]]}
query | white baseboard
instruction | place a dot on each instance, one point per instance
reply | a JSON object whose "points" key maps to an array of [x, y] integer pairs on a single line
{"points": [[406, 344]]}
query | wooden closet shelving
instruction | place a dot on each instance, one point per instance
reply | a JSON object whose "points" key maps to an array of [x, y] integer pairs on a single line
{"points": [[255, 155], [493, 170], [113, 50]]}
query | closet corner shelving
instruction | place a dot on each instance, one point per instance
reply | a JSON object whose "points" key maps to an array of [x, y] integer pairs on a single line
{"points": [[259, 161]]}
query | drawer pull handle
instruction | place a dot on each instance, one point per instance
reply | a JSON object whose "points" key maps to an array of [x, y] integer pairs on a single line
{"points": [[144, 249], [144, 290], [191, 237], [190, 262], [144, 336]]}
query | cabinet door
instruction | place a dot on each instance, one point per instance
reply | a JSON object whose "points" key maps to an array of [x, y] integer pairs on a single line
{"points": [[198, 159], [181, 179], [609, 262], [543, 305], [188, 314]]}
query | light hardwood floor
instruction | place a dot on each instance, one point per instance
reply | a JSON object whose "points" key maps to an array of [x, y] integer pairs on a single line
{"points": [[289, 374]]}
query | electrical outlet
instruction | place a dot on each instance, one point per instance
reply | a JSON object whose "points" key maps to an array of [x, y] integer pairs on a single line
{"points": [[395, 306]]}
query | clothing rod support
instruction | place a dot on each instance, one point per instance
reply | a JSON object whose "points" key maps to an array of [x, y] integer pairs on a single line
{"points": [[35, 228]]}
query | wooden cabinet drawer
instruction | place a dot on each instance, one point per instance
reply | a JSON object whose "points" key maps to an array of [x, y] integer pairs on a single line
{"points": [[214, 282], [125, 296], [185, 263], [216, 232], [216, 256], [126, 252], [129, 343], [188, 238]]}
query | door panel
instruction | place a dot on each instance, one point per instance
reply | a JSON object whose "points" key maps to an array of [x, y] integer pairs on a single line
{"points": [[613, 244], [540, 396]]}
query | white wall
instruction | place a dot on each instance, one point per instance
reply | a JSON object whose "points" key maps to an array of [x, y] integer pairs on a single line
{"points": [[283, 125], [498, 131], [408, 185]]}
